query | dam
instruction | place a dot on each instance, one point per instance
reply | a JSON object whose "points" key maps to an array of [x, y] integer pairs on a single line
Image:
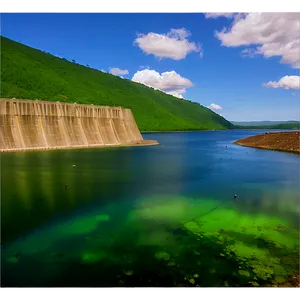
{"points": [[42, 125]]}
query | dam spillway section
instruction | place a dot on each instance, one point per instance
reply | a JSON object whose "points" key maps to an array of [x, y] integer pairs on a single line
{"points": [[43, 125]]}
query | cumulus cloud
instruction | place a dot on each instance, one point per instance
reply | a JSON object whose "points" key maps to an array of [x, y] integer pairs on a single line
{"points": [[168, 82], [215, 106], [117, 71], [174, 44], [275, 34], [286, 82]]}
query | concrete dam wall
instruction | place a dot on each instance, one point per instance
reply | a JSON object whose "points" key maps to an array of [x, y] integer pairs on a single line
{"points": [[34, 124]]}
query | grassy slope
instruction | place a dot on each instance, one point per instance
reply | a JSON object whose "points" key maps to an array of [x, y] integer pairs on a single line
{"points": [[27, 73]]}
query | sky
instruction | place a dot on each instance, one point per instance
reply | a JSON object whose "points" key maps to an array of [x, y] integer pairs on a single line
{"points": [[242, 66]]}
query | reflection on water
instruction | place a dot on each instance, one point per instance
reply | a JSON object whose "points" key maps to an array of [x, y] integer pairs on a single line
{"points": [[151, 216]]}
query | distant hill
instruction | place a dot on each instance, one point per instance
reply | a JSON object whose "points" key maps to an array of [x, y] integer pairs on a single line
{"points": [[287, 125], [27, 73], [261, 123]]}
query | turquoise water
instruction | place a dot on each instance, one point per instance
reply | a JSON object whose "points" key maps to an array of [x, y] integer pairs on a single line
{"points": [[151, 216]]}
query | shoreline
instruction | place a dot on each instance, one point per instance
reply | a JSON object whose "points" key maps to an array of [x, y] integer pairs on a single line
{"points": [[139, 143], [200, 130], [277, 141], [269, 149]]}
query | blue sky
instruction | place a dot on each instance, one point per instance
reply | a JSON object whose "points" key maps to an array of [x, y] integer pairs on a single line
{"points": [[220, 76]]}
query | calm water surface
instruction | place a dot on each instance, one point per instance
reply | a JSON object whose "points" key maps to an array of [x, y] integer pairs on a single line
{"points": [[151, 216]]}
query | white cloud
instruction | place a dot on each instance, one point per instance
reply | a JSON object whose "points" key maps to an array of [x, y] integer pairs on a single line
{"points": [[249, 52], [286, 82], [144, 67], [215, 106], [168, 82], [275, 34], [216, 15], [173, 45], [117, 71]]}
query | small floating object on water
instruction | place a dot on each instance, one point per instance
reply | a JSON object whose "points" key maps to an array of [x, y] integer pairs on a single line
{"points": [[74, 166], [235, 196]]}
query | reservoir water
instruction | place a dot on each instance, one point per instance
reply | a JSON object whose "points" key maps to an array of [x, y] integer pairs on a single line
{"points": [[162, 215]]}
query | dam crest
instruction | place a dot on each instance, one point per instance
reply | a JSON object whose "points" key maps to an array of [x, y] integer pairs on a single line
{"points": [[42, 125]]}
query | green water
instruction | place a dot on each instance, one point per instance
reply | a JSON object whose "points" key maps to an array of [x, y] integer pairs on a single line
{"points": [[151, 216]]}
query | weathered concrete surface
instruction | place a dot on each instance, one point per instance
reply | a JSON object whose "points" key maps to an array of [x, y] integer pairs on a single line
{"points": [[281, 141], [36, 125]]}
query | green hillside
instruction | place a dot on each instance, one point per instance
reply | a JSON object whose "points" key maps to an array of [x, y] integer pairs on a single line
{"points": [[27, 73]]}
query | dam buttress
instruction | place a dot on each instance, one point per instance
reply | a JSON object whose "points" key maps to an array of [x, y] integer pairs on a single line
{"points": [[42, 125]]}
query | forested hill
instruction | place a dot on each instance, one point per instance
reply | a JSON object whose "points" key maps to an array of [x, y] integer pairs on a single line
{"points": [[28, 73]]}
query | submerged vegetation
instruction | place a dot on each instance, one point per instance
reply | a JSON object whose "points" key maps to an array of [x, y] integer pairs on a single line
{"points": [[27, 73], [161, 242]]}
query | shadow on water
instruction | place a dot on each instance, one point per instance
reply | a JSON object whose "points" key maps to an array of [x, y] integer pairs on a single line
{"points": [[39, 187]]}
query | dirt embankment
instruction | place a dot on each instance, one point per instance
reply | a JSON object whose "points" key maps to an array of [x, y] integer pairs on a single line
{"points": [[281, 141]]}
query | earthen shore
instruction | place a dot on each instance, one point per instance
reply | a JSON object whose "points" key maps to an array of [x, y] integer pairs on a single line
{"points": [[279, 141]]}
